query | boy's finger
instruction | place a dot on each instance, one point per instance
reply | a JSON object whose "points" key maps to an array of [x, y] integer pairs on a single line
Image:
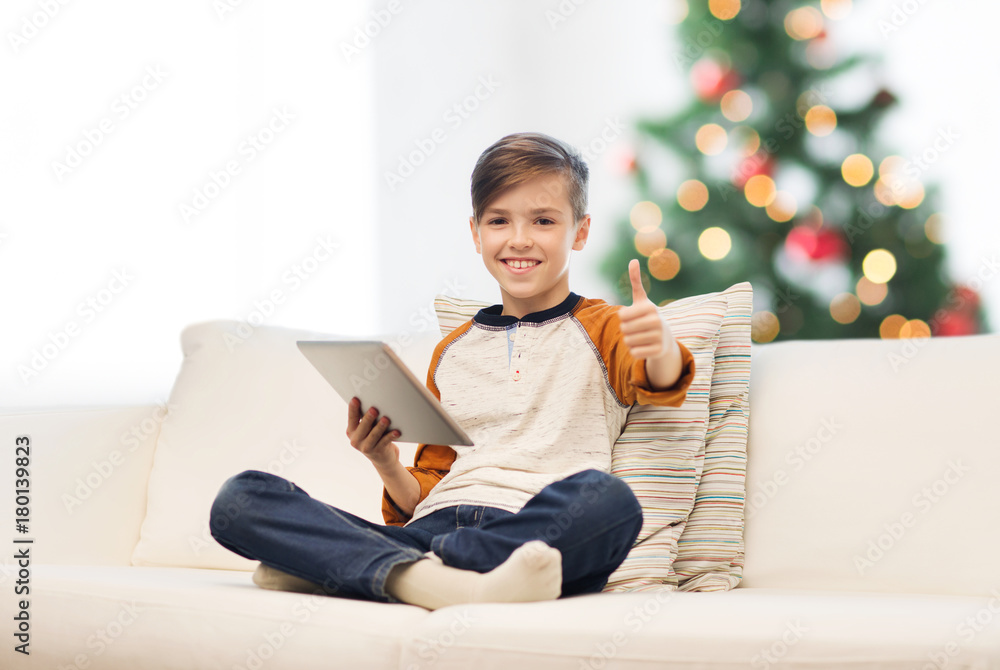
{"points": [[353, 413], [376, 432], [386, 440], [363, 427], [638, 292]]}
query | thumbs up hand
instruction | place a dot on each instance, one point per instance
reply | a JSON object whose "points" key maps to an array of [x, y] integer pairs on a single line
{"points": [[647, 335], [643, 329]]}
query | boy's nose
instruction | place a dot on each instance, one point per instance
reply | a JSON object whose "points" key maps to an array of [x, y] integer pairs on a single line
{"points": [[519, 237]]}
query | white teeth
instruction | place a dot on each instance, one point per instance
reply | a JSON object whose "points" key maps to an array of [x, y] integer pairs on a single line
{"points": [[518, 265]]}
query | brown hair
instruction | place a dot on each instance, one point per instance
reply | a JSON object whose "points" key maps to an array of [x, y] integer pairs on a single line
{"points": [[516, 158]]}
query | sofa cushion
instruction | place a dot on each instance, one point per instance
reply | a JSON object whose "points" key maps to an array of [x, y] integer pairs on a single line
{"points": [[156, 618], [740, 628], [88, 492], [661, 450], [873, 465], [249, 401]]}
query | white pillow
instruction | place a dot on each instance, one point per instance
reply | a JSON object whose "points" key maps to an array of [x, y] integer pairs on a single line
{"points": [[250, 403]]}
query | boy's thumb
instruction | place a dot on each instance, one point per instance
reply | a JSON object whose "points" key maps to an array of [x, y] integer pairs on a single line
{"points": [[638, 292]]}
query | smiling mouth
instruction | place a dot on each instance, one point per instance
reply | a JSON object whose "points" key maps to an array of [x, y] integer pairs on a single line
{"points": [[519, 265]]}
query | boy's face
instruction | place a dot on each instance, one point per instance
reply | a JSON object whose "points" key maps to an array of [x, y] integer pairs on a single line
{"points": [[532, 223]]}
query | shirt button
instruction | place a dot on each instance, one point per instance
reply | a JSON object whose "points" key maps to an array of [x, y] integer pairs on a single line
{"points": [[516, 375], [511, 336]]}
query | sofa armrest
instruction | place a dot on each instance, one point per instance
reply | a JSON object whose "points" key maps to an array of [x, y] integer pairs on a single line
{"points": [[88, 475]]}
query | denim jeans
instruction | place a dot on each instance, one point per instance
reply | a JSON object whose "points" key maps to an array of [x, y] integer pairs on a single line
{"points": [[592, 517]]}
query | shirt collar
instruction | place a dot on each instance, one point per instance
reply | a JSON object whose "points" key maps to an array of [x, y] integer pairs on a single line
{"points": [[491, 316]]}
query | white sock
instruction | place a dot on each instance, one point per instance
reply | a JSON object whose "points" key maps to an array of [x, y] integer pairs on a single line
{"points": [[267, 577], [532, 572]]}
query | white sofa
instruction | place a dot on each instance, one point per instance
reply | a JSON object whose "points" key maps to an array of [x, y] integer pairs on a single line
{"points": [[872, 534]]}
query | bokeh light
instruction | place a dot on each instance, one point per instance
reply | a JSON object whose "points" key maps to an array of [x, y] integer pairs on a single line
{"points": [[857, 169], [649, 239], [645, 214], [891, 165], [736, 105], [834, 9], [714, 243], [883, 193], [692, 195], [871, 293], [764, 326], [760, 190], [724, 9], [890, 326], [934, 228], [803, 23], [821, 120], [711, 139], [664, 264], [912, 195], [914, 328], [895, 186], [783, 208], [879, 266], [845, 308]]}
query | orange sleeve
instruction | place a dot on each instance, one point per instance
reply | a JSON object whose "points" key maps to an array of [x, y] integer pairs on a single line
{"points": [[432, 463], [627, 374], [673, 396]]}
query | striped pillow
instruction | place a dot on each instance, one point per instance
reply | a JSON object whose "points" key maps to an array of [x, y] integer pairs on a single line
{"points": [[661, 450], [710, 549]]}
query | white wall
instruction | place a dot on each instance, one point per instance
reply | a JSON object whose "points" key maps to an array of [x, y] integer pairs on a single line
{"points": [[65, 237]]}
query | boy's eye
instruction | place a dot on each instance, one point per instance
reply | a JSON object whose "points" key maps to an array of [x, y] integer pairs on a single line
{"points": [[546, 222], [497, 221]]}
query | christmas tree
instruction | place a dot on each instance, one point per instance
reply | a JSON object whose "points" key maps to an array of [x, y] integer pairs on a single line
{"points": [[766, 177]]}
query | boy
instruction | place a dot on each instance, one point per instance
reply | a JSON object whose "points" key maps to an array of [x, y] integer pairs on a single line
{"points": [[541, 383]]}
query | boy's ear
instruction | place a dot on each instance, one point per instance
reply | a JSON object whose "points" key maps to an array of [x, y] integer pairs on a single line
{"points": [[581, 233], [475, 234]]}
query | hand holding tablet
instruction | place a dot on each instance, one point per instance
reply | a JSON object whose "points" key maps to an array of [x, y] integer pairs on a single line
{"points": [[371, 435]]}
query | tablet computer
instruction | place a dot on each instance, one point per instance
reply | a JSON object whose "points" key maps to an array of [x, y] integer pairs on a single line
{"points": [[373, 372]]}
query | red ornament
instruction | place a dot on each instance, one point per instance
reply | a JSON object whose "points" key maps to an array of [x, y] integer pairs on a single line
{"points": [[954, 323], [758, 163], [964, 298], [711, 80], [825, 244], [960, 316]]}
